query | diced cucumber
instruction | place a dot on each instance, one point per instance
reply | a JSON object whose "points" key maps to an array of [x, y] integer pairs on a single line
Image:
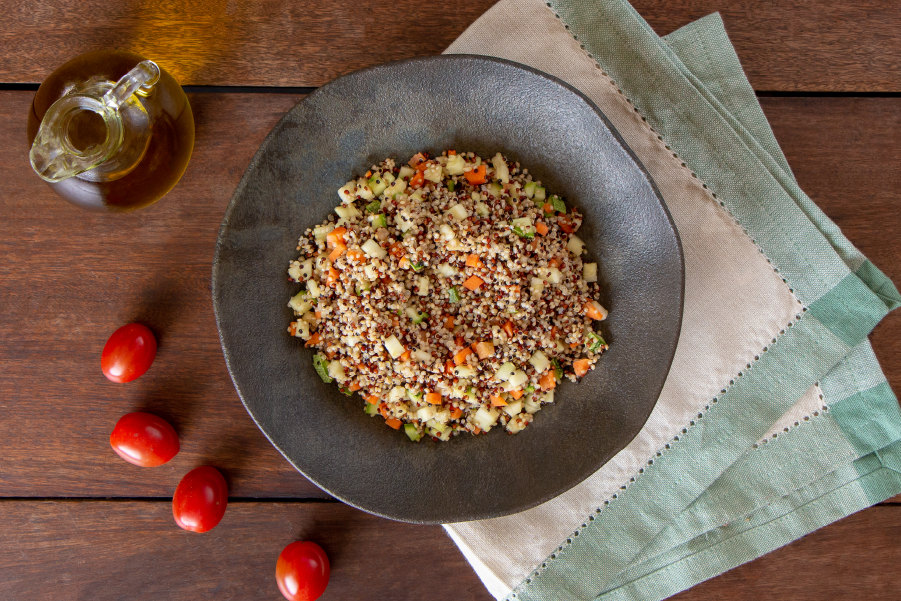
{"points": [[422, 285], [301, 302], [347, 192], [464, 371], [345, 391], [505, 371], [432, 173], [414, 395], [517, 379], [540, 361], [372, 248], [379, 221], [396, 394], [371, 408], [301, 329], [539, 194], [558, 371], [300, 270], [529, 189], [482, 209], [495, 189], [537, 286], [426, 413], [321, 365], [531, 406], [374, 207], [405, 172], [500, 168], [513, 408], [447, 232], [377, 184], [575, 245], [314, 289], [455, 165], [453, 295], [485, 418], [396, 187], [590, 272], [458, 212], [412, 432], [417, 266], [363, 189], [394, 347], [347, 212], [523, 234], [321, 231], [423, 357]]}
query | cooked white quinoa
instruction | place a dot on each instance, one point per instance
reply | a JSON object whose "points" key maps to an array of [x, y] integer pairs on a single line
{"points": [[450, 293]]}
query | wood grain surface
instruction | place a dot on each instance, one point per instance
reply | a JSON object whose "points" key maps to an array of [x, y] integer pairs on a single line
{"points": [[107, 550], [801, 45]]}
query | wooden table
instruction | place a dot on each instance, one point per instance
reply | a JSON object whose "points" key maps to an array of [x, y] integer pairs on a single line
{"points": [[79, 523]]}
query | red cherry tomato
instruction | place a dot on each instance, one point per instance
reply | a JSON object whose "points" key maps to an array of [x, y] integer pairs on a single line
{"points": [[200, 499], [302, 571], [128, 353], [144, 439]]}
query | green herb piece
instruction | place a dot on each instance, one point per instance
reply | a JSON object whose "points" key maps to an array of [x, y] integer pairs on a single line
{"points": [[450, 185], [453, 295], [345, 391], [596, 343], [558, 204], [558, 371], [320, 364]]}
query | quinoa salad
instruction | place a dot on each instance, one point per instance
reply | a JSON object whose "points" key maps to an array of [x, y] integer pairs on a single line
{"points": [[450, 293]]}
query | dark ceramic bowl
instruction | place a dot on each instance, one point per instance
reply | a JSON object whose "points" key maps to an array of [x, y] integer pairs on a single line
{"points": [[431, 104]]}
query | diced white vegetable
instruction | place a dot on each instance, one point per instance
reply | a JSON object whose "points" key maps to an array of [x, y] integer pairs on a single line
{"points": [[426, 413], [464, 371], [548, 397], [303, 330], [346, 192], [513, 408], [590, 272], [560, 348], [517, 379], [458, 212], [300, 270], [403, 219], [458, 390], [372, 248], [418, 195], [336, 370], [370, 272], [396, 187], [537, 286], [552, 275], [447, 231], [575, 245], [397, 393], [495, 189], [405, 171], [447, 270], [314, 289], [530, 405], [321, 231], [518, 423], [432, 173], [482, 209], [485, 418], [421, 356], [455, 165], [441, 417], [540, 361], [505, 371], [422, 285], [476, 196], [411, 312], [438, 430], [500, 167], [394, 347], [300, 302], [348, 211], [456, 245], [363, 189]]}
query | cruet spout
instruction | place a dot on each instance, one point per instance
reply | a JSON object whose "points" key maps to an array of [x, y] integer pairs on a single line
{"points": [[87, 127]]}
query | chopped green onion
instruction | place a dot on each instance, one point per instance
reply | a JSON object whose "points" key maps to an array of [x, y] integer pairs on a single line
{"points": [[374, 206], [417, 267], [345, 391], [558, 204], [411, 431], [419, 318], [320, 364], [453, 295], [527, 235], [596, 343], [450, 185]]}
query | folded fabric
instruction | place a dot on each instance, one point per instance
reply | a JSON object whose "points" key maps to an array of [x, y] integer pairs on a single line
{"points": [[776, 298]]}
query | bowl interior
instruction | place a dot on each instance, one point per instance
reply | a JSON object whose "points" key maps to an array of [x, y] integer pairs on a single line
{"points": [[469, 104]]}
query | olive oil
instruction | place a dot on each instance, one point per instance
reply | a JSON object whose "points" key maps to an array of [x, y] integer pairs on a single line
{"points": [[148, 175]]}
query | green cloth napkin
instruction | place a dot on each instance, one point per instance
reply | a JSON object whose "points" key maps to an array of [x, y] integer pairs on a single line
{"points": [[767, 429]]}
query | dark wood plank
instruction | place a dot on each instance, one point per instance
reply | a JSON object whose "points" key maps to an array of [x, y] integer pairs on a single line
{"points": [[852, 559], [807, 45], [803, 45], [133, 550], [69, 278]]}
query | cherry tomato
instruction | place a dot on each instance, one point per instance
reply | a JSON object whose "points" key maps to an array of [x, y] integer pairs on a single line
{"points": [[144, 439], [200, 499], [128, 353], [302, 571]]}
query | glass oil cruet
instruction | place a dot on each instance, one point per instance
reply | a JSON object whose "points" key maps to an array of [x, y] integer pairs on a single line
{"points": [[110, 130]]}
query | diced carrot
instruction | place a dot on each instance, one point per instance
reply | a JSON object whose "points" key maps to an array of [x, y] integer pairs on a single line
{"points": [[355, 255], [314, 339], [331, 355], [474, 261], [397, 250], [449, 323], [541, 228], [566, 224], [393, 422], [547, 381], [417, 159], [483, 349], [458, 340], [354, 386], [456, 413], [404, 262], [405, 356], [417, 180], [477, 176], [517, 393], [555, 262], [451, 153], [335, 237], [497, 401], [433, 397], [337, 252], [332, 276], [476, 431], [574, 345], [514, 289], [372, 399], [369, 173], [292, 328], [318, 314], [547, 208], [508, 327], [473, 282], [383, 409], [580, 366], [594, 310], [460, 358]]}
